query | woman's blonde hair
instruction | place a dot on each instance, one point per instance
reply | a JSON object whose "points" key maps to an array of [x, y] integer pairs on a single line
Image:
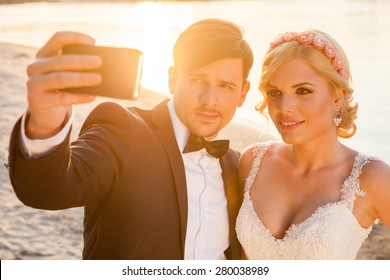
{"points": [[326, 57]]}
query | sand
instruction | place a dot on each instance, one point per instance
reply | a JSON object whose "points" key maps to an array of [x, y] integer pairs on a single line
{"points": [[27, 233]]}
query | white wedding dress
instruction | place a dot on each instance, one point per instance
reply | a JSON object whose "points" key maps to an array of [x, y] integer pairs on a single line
{"points": [[331, 232]]}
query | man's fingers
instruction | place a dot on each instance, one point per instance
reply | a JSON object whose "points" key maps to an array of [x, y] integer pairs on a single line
{"points": [[68, 99], [50, 75], [45, 102], [60, 39], [55, 81], [64, 63]]}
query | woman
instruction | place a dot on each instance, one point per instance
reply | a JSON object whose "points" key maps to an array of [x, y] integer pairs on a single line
{"points": [[310, 197]]}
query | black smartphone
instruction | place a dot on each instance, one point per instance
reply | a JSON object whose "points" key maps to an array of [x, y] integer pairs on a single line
{"points": [[121, 71]]}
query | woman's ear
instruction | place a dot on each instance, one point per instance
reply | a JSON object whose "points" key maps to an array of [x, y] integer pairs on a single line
{"points": [[339, 97]]}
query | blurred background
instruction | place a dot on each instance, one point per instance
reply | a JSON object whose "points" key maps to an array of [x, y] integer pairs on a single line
{"points": [[360, 26]]}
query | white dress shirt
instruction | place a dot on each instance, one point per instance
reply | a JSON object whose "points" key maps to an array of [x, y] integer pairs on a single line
{"points": [[39, 147], [207, 234], [208, 222]]}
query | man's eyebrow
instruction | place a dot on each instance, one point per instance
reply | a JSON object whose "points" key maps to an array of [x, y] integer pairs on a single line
{"points": [[233, 84], [201, 75]]}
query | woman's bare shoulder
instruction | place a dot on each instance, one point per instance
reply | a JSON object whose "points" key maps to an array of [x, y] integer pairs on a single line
{"points": [[375, 182], [375, 172]]}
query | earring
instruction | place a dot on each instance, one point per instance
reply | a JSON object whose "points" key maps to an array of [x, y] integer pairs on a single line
{"points": [[337, 118]]}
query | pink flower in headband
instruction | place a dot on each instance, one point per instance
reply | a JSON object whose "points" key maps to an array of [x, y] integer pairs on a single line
{"points": [[344, 74], [290, 36], [338, 62], [279, 39], [319, 42], [330, 51], [305, 38]]}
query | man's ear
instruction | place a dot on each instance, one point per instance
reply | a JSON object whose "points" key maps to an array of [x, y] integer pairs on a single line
{"points": [[172, 74], [244, 93]]}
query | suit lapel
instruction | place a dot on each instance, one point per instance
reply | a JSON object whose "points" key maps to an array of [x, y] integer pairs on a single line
{"points": [[164, 131], [229, 166]]}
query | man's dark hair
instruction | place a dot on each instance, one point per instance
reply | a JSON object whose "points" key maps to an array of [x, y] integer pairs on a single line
{"points": [[209, 40]]}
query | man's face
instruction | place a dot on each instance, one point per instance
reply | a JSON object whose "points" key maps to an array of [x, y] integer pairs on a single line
{"points": [[206, 99]]}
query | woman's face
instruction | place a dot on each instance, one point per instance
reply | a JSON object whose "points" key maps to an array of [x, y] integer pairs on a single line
{"points": [[301, 103]]}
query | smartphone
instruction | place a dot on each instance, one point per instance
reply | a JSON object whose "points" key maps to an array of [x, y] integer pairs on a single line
{"points": [[121, 71]]}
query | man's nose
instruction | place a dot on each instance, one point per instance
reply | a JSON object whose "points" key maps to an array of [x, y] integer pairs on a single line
{"points": [[209, 95]]}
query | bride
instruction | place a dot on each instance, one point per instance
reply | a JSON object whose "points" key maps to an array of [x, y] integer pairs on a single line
{"points": [[310, 197]]}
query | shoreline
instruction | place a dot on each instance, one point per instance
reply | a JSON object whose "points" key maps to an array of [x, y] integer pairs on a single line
{"points": [[28, 233]]}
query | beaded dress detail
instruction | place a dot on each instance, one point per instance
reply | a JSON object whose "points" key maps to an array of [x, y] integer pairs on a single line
{"points": [[331, 232]]}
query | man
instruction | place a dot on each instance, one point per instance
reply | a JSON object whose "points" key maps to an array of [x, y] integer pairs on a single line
{"points": [[145, 194]]}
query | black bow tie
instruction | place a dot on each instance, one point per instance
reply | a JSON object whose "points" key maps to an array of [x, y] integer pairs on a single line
{"points": [[215, 148]]}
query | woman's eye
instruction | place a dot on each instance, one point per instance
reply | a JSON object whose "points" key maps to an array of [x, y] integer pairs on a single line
{"points": [[303, 91], [274, 92]]}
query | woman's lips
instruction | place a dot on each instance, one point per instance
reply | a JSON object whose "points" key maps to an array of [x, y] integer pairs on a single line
{"points": [[289, 124]]}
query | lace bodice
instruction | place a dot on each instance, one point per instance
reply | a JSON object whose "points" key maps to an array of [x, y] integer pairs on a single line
{"points": [[331, 232]]}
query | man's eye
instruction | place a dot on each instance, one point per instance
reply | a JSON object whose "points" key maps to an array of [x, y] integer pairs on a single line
{"points": [[303, 91], [226, 86], [197, 80]]}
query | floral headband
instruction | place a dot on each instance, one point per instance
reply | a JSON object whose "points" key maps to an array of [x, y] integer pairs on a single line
{"points": [[308, 38]]}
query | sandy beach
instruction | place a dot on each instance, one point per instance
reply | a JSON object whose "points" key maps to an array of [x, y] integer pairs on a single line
{"points": [[27, 233]]}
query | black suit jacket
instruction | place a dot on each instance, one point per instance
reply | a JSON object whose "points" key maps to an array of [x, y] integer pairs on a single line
{"points": [[126, 169]]}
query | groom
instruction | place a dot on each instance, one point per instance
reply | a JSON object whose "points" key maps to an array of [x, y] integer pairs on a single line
{"points": [[146, 193]]}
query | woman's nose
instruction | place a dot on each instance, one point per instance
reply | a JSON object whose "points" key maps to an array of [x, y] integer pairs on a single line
{"points": [[287, 103]]}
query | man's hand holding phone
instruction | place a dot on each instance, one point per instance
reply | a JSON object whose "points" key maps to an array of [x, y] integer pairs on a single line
{"points": [[48, 75], [69, 70]]}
